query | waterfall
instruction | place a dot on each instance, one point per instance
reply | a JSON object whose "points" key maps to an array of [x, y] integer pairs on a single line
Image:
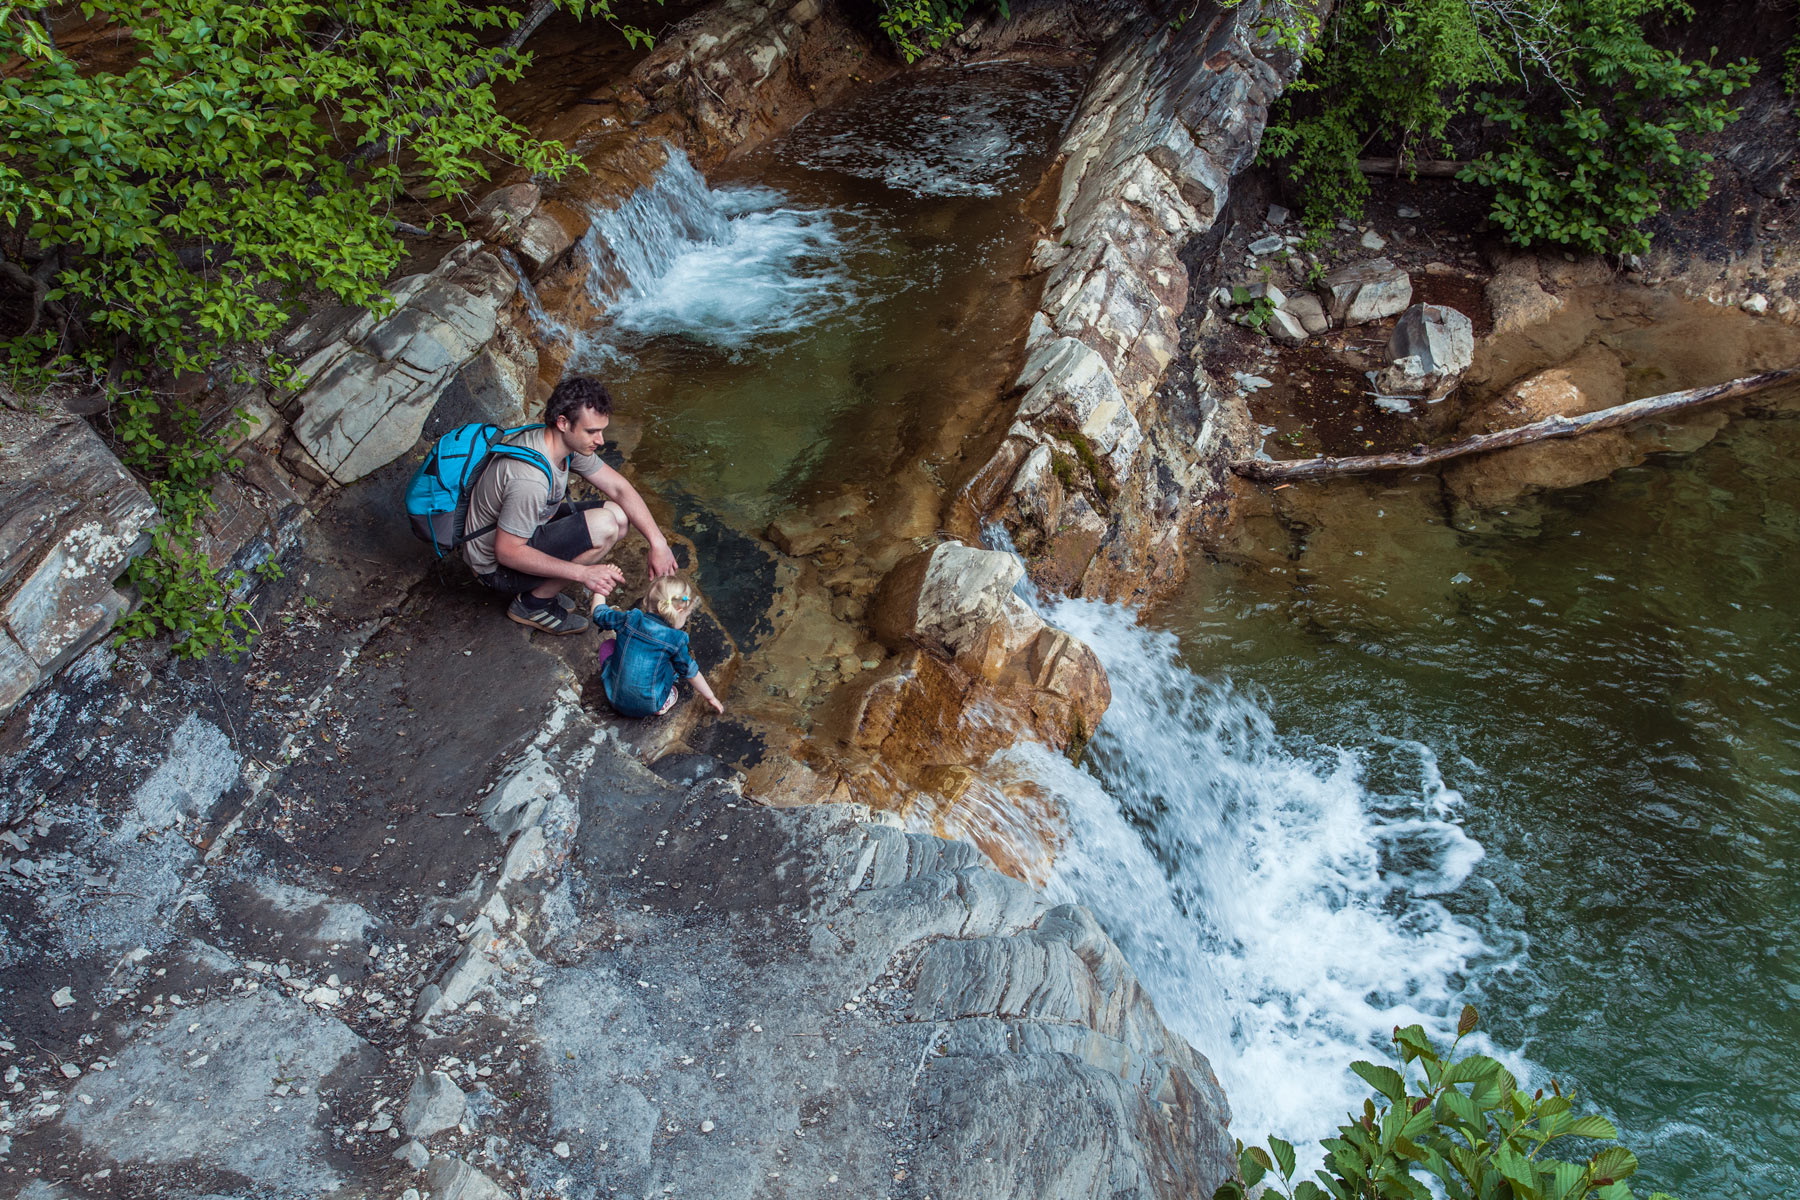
{"points": [[1283, 912], [722, 266], [546, 326]]}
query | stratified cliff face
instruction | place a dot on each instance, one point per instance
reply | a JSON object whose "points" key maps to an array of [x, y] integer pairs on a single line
{"points": [[1108, 471]]}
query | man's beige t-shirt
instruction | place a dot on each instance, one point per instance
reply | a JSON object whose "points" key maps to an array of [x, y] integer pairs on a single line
{"points": [[515, 496]]}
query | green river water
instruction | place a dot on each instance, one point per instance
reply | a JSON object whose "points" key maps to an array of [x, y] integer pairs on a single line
{"points": [[1608, 677]]}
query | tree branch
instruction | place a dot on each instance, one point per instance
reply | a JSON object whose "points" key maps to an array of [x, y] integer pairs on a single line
{"points": [[1431, 168], [1265, 471], [539, 12]]}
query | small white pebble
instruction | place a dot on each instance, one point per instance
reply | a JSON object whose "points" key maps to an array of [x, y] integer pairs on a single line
{"points": [[706, 1127], [561, 1149]]}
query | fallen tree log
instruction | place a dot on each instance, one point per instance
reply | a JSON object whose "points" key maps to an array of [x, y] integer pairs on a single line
{"points": [[1270, 470], [1424, 168]]}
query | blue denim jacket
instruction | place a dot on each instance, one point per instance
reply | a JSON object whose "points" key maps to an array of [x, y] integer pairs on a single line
{"points": [[641, 672]]}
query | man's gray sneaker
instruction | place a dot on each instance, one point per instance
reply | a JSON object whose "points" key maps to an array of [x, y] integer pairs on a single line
{"points": [[555, 619]]}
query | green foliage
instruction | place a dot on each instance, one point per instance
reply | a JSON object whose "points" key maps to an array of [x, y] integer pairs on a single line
{"points": [[1090, 462], [1590, 176], [1599, 124], [1464, 1122], [1256, 311], [182, 595], [195, 192], [182, 197], [916, 26], [1390, 71]]}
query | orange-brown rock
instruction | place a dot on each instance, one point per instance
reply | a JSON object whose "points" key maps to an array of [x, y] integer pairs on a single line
{"points": [[977, 672], [1593, 379]]}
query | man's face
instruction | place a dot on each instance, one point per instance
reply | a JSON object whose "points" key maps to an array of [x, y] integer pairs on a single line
{"points": [[585, 432]]}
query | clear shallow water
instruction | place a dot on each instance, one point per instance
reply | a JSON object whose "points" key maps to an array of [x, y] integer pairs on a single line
{"points": [[1552, 767], [820, 322]]}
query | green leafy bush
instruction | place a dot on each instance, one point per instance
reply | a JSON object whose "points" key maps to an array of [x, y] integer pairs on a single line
{"points": [[1610, 159], [174, 205], [1463, 1122], [1395, 73], [1599, 125], [915, 26]]}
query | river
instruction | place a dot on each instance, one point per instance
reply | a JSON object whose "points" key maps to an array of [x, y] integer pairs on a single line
{"points": [[1545, 763], [1562, 782]]}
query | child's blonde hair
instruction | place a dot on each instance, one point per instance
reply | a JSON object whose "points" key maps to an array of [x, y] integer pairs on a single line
{"points": [[671, 598]]}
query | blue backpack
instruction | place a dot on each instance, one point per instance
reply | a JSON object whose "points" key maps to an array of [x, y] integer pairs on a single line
{"points": [[437, 499]]}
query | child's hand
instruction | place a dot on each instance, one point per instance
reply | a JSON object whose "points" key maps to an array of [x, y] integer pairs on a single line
{"points": [[717, 705]]}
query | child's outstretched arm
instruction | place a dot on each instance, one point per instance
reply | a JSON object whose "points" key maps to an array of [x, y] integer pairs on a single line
{"points": [[698, 679]]}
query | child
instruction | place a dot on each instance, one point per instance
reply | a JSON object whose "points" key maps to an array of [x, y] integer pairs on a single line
{"points": [[639, 667]]}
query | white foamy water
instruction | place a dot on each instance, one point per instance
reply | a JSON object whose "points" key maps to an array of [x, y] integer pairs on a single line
{"points": [[722, 266], [967, 133], [1283, 915]]}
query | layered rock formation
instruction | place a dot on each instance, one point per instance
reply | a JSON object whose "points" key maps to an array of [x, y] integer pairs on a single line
{"points": [[333, 927], [974, 672], [71, 519], [1105, 475]]}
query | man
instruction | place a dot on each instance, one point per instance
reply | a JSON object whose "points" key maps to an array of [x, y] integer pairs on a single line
{"points": [[540, 542]]}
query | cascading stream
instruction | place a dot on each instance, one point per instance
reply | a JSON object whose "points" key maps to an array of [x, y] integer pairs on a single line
{"points": [[1282, 913], [720, 266], [1280, 908]]}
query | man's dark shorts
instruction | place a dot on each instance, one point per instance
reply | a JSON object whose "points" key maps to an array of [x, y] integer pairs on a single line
{"points": [[563, 536]]}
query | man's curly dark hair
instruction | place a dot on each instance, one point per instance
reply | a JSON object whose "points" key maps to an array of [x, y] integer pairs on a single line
{"points": [[574, 394]]}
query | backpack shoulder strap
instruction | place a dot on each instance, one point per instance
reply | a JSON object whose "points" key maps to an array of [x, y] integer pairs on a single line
{"points": [[504, 447]]}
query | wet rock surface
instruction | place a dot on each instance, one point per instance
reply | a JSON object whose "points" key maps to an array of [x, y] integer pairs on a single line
{"points": [[385, 906]]}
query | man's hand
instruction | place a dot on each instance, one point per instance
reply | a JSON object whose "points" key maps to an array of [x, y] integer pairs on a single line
{"points": [[601, 578], [662, 560]]}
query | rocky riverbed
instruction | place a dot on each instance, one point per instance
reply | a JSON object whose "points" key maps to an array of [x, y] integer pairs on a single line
{"points": [[390, 906]]}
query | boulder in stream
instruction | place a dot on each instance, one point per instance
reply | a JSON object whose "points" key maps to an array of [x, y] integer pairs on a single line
{"points": [[1429, 350], [1367, 291], [975, 667]]}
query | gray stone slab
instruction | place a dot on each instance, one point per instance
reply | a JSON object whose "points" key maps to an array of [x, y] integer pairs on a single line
{"points": [[208, 1097]]}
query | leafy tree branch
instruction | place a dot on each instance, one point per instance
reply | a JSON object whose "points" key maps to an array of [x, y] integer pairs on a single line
{"points": [[165, 218]]}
